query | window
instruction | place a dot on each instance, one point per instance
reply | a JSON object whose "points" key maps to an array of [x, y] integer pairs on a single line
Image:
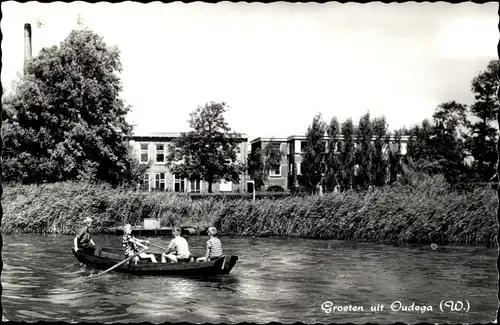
{"points": [[283, 147], [160, 153], [275, 172], [338, 147], [303, 145], [160, 181], [195, 187], [179, 184], [275, 146], [144, 183], [144, 156], [299, 169], [403, 149]]}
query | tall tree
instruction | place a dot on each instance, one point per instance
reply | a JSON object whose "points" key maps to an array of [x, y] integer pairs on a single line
{"points": [[65, 120], [313, 157], [446, 144], [263, 160], [364, 152], [347, 155], [438, 147], [482, 140], [418, 147], [379, 159], [333, 158], [209, 151]]}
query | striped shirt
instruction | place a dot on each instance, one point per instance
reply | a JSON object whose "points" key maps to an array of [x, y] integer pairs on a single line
{"points": [[129, 246], [215, 247]]}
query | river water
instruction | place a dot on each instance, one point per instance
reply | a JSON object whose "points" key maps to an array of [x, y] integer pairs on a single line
{"points": [[276, 279]]}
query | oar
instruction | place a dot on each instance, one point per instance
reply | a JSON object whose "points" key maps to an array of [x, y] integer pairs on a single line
{"points": [[122, 262], [158, 247]]}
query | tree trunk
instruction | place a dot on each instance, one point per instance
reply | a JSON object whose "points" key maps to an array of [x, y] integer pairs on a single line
{"points": [[210, 187]]}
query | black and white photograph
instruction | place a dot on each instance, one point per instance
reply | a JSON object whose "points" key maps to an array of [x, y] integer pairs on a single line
{"points": [[250, 162]]}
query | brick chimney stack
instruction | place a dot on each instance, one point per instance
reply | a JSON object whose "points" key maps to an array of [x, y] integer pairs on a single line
{"points": [[27, 44]]}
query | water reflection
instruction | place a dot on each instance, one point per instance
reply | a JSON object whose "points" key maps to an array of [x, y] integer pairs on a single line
{"points": [[276, 279]]}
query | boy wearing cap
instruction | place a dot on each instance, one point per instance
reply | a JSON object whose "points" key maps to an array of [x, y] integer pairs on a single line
{"points": [[214, 247], [83, 240]]}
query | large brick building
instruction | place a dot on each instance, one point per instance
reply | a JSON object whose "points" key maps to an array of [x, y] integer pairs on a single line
{"points": [[153, 147]]}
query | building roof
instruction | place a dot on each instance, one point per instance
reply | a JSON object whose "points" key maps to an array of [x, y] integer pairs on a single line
{"points": [[165, 135], [340, 137], [156, 134], [261, 139], [302, 137]]}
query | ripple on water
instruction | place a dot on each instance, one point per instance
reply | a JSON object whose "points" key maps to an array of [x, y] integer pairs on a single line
{"points": [[74, 273], [32, 314], [8, 285], [10, 268]]}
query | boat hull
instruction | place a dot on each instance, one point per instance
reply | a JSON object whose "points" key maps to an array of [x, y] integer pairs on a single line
{"points": [[104, 259]]}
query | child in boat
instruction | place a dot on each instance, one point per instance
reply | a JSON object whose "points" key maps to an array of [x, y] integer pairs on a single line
{"points": [[83, 240], [214, 247], [131, 245], [177, 250]]}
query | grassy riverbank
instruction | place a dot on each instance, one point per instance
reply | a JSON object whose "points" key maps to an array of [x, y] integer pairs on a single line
{"points": [[420, 214]]}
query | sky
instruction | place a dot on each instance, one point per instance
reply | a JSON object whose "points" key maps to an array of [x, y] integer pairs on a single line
{"points": [[276, 65]]}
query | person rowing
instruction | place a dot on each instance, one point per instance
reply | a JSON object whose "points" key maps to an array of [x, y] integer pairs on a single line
{"points": [[177, 250], [131, 245], [83, 239]]}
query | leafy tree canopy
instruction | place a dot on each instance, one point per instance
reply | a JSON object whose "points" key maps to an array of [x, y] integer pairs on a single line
{"points": [[64, 119], [481, 142], [332, 158], [313, 157], [262, 160], [209, 151]]}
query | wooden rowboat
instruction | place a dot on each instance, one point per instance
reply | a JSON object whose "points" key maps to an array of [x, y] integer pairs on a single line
{"points": [[104, 258]]}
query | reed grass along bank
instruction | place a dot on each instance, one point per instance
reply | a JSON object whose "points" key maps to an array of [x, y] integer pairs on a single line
{"points": [[390, 214]]}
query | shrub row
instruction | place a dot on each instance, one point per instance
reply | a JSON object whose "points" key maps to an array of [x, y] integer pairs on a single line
{"points": [[390, 214]]}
